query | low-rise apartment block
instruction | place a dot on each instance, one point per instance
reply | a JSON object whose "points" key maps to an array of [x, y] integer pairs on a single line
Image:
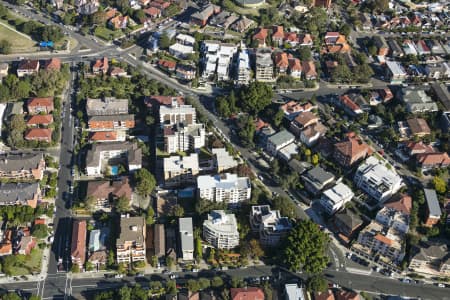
{"points": [[264, 65], [227, 188], [335, 198], [431, 258], [217, 59], [131, 242], [220, 230], [377, 180], [111, 122], [105, 192], [433, 209], [183, 138], [395, 72], [186, 233], [23, 193], [278, 141], [78, 250], [396, 213], [177, 113], [243, 67], [317, 179], [27, 67], [180, 170], [106, 106], [351, 150], [270, 225], [40, 105], [22, 165], [223, 160], [102, 155]]}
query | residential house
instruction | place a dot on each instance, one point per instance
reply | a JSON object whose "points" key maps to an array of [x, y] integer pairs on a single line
{"points": [[351, 150], [4, 67], [422, 48], [428, 161], [200, 18], [302, 121], [223, 160], [27, 67], [247, 293], [98, 157], [278, 141], [335, 198], [346, 224], [242, 25], [418, 101], [159, 240], [305, 40], [6, 243], [106, 106], [328, 295], [153, 12], [181, 51], [441, 92], [377, 180], [381, 44], [130, 244], [78, 250], [261, 36], [40, 120], [317, 179], [347, 295], [39, 135], [167, 65], [186, 233], [433, 209], [104, 192], [293, 292], [228, 188], [53, 64], [278, 35], [153, 103], [349, 106], [295, 68], [293, 108], [395, 72], [264, 65], [40, 105], [22, 165], [220, 230], [117, 72], [431, 258], [269, 224], [119, 22], [418, 127], [26, 244], [394, 48], [309, 70], [281, 62], [321, 3], [180, 170], [183, 138], [111, 122], [336, 43], [87, 7], [396, 213], [100, 66], [185, 72]]}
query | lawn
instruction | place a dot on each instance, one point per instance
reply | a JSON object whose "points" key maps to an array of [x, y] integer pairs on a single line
{"points": [[107, 34], [18, 42], [32, 264]]}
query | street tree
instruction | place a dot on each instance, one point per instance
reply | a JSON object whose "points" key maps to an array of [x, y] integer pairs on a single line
{"points": [[145, 182], [316, 283]]}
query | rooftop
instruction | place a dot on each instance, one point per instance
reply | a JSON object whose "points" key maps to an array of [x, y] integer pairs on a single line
{"points": [[15, 161], [281, 137], [225, 181], [219, 221], [131, 230], [432, 203]]}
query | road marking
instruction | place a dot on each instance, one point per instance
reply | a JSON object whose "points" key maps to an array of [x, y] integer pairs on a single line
{"points": [[43, 285]]}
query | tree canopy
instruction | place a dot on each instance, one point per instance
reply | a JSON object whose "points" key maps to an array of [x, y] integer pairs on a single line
{"points": [[145, 182], [255, 97], [305, 248]]}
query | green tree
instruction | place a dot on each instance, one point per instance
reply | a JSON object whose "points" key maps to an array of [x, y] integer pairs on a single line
{"points": [[145, 182], [193, 285], [125, 293], [305, 53], [75, 268], [150, 219], [177, 211], [5, 47], [164, 41], [154, 261], [90, 202], [439, 185], [11, 296], [171, 287], [317, 283], [40, 231], [305, 248], [204, 283], [216, 282], [122, 204], [247, 131], [149, 120], [278, 118], [256, 250], [198, 248], [315, 159], [285, 206], [255, 97]]}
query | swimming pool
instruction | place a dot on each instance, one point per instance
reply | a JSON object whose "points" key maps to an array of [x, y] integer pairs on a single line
{"points": [[114, 170]]}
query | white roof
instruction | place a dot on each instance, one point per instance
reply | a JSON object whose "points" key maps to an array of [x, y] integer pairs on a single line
{"points": [[223, 158], [375, 169], [395, 67], [178, 163], [244, 60], [219, 221], [186, 38], [339, 192], [230, 181], [181, 48], [293, 292]]}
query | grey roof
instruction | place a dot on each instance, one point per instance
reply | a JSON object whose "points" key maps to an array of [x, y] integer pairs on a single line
{"points": [[186, 234], [395, 47], [442, 94], [20, 161], [281, 137], [134, 153], [131, 229], [14, 108], [126, 117], [349, 219], [432, 202], [299, 166], [106, 106], [17, 192], [319, 175], [160, 240]]}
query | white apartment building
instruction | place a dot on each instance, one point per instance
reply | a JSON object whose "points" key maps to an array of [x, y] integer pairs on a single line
{"points": [[184, 138], [264, 65], [131, 242], [336, 197], [392, 218], [186, 233], [217, 59], [227, 188], [377, 180], [243, 67], [185, 39], [223, 160], [220, 230], [180, 170], [181, 51], [174, 114], [270, 225]]}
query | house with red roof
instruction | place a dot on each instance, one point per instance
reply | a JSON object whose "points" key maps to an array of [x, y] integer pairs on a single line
{"points": [[39, 105], [309, 69], [78, 246], [278, 34], [100, 66], [26, 244], [153, 12], [350, 151], [260, 36], [119, 22], [40, 120], [27, 67], [295, 67], [107, 136], [428, 161], [291, 38], [247, 293], [349, 106], [281, 62], [53, 64], [422, 48], [305, 40], [167, 65], [39, 134]]}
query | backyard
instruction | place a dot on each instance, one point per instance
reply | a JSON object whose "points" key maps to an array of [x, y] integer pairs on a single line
{"points": [[19, 42]]}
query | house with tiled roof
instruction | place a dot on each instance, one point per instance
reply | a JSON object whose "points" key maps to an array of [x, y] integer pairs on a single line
{"points": [[428, 161], [39, 105], [260, 36], [107, 136], [305, 40], [345, 224], [309, 69], [200, 18], [422, 48], [291, 38], [105, 192], [78, 246], [431, 258], [167, 65], [153, 12], [336, 43], [311, 135], [22, 193], [247, 293], [39, 134], [396, 213], [281, 62], [328, 295], [6, 243], [117, 72], [418, 127], [22, 165], [415, 148], [119, 22], [352, 150], [185, 72], [154, 102], [295, 67], [40, 120], [27, 67], [302, 121], [293, 108], [347, 295], [111, 122], [26, 244], [349, 106], [100, 66], [53, 64], [277, 34]]}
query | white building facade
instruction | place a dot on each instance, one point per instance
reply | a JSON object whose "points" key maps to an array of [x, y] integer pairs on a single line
{"points": [[220, 230]]}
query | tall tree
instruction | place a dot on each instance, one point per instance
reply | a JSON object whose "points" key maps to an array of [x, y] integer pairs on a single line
{"points": [[145, 182], [255, 97]]}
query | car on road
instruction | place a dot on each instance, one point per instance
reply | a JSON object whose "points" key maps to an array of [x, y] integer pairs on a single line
{"points": [[173, 276], [140, 275], [118, 276], [441, 285]]}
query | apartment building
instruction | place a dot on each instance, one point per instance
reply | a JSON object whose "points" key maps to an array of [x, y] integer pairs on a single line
{"points": [[217, 58], [336, 197], [431, 258], [220, 230], [184, 138], [223, 160], [264, 65], [376, 239], [106, 106], [160, 240], [270, 225], [396, 213], [350, 151], [177, 113], [243, 67], [317, 179], [105, 192], [377, 180], [278, 141], [227, 188], [186, 234], [395, 72], [434, 211], [131, 242], [22, 165], [180, 170], [111, 122], [103, 155], [40, 105], [23, 193], [78, 246]]}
